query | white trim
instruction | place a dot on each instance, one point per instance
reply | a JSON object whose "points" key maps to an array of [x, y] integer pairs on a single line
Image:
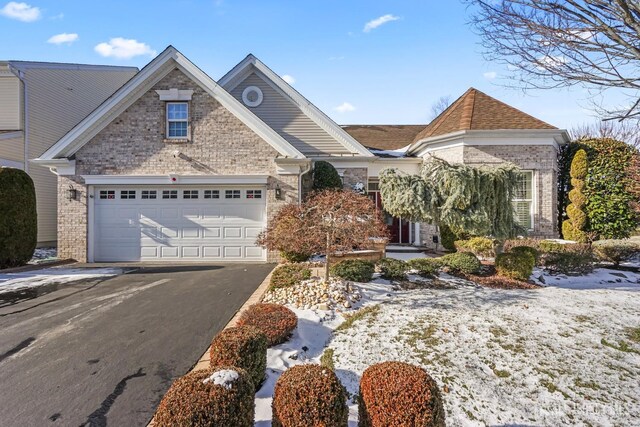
{"points": [[230, 80], [179, 179], [11, 164], [59, 167], [245, 96], [11, 135], [91, 219], [168, 120], [159, 67], [174, 94], [534, 198]]}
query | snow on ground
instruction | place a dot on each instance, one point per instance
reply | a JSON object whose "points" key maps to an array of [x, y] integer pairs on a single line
{"points": [[12, 282], [558, 355], [41, 255]]}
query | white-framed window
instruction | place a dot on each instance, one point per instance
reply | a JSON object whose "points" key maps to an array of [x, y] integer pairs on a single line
{"points": [[169, 194], [127, 194], [254, 194], [523, 199], [177, 120], [148, 194], [232, 194], [211, 194], [190, 194], [107, 194]]}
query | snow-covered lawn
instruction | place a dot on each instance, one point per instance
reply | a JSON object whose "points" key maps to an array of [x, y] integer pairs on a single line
{"points": [[560, 355], [14, 282], [41, 255]]}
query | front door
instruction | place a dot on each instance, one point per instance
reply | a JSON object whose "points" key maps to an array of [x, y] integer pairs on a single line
{"points": [[399, 229]]}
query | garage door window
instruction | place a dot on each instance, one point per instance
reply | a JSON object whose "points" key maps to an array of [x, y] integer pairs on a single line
{"points": [[169, 194], [107, 194], [254, 194], [232, 194], [149, 194], [128, 194], [211, 194], [190, 194]]}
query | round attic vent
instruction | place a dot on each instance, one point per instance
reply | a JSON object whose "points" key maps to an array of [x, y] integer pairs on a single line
{"points": [[252, 96]]}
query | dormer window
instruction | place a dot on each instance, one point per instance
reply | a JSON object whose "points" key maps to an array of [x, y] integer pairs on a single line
{"points": [[177, 120]]}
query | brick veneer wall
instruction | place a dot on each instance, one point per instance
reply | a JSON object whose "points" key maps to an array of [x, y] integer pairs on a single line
{"points": [[133, 144], [352, 176]]}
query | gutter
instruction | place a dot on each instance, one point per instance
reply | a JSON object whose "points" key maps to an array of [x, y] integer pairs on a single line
{"points": [[309, 168]]}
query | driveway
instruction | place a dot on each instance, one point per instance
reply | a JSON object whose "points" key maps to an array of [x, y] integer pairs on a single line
{"points": [[103, 352]]}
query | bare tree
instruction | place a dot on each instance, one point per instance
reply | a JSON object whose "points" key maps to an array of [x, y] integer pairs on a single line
{"points": [[620, 131], [440, 105], [560, 43]]}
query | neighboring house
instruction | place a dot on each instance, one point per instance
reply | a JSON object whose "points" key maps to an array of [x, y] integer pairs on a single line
{"points": [[175, 166], [39, 103]]}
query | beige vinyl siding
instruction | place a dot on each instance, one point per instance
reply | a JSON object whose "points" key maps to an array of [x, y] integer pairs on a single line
{"points": [[289, 121], [12, 149], [58, 99], [10, 110]]}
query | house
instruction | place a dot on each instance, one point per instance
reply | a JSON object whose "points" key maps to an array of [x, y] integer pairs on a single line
{"points": [[39, 103], [175, 166]]}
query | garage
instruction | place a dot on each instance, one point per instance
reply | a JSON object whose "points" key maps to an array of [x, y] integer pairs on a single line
{"points": [[177, 223]]}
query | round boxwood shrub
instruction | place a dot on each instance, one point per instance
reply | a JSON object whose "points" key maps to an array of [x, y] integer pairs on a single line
{"points": [[479, 246], [325, 177], [309, 395], [392, 269], [615, 251], [244, 347], [525, 250], [18, 218], [425, 267], [356, 270], [220, 397], [394, 394], [291, 256], [276, 321], [515, 265], [462, 262], [289, 275]]}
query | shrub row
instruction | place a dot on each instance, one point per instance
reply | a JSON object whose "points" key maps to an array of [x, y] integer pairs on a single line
{"points": [[356, 270], [288, 275], [616, 251], [244, 347], [565, 258], [275, 321], [479, 246]]}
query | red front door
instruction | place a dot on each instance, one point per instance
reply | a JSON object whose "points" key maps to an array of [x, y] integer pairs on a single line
{"points": [[398, 228]]}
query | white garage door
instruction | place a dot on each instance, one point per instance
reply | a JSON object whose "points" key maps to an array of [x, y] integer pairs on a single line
{"points": [[178, 223]]}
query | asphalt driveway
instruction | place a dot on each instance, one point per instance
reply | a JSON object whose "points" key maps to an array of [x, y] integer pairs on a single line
{"points": [[103, 352]]}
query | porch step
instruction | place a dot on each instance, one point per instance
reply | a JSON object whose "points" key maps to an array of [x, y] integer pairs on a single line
{"points": [[405, 249]]}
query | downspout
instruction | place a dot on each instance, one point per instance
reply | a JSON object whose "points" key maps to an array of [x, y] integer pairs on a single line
{"points": [[309, 168], [25, 123]]}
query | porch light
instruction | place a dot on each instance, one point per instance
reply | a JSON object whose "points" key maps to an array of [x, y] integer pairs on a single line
{"points": [[278, 192], [73, 193]]}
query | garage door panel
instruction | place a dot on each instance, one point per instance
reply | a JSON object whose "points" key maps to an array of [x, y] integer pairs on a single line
{"points": [[149, 252], [212, 232], [169, 251], [190, 233], [232, 232], [233, 252], [190, 252], [211, 251], [253, 252]]}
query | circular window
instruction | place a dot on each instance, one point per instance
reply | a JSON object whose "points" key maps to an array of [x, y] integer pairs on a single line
{"points": [[252, 96]]}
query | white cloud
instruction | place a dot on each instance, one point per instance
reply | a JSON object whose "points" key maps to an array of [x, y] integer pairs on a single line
{"points": [[490, 75], [375, 23], [67, 38], [121, 48], [21, 11], [289, 79], [345, 107]]}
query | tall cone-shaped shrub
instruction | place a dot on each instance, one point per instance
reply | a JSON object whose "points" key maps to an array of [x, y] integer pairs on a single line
{"points": [[574, 227]]}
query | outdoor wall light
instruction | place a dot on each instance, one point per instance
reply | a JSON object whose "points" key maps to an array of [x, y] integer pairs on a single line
{"points": [[73, 193], [278, 192]]}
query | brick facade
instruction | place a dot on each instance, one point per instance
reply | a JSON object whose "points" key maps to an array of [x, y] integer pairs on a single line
{"points": [[353, 176], [134, 144]]}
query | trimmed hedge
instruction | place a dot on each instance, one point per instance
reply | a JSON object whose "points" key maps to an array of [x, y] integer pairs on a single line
{"points": [[515, 265], [525, 250], [326, 177], [479, 246], [395, 394], [276, 321], [18, 218], [295, 256], [289, 275], [615, 251], [392, 269], [569, 258], [356, 270], [462, 262], [309, 396], [447, 238], [244, 347], [195, 400], [425, 267]]}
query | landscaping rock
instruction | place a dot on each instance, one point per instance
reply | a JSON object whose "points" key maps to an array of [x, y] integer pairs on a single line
{"points": [[317, 295]]}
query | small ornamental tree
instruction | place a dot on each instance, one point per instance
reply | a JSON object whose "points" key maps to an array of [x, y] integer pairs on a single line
{"points": [[327, 222], [325, 177], [574, 227], [18, 217]]}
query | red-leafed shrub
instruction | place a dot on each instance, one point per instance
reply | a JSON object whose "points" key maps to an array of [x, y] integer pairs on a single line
{"points": [[196, 400], [395, 394], [276, 321], [309, 396], [244, 347]]}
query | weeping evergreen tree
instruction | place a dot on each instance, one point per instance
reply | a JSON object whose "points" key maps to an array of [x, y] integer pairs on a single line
{"points": [[476, 200]]}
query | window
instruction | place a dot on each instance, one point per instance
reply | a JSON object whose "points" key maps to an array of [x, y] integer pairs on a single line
{"points": [[232, 194], [177, 120], [211, 194], [169, 194], [373, 186], [107, 194], [190, 194], [254, 194], [128, 194], [523, 199], [149, 194]]}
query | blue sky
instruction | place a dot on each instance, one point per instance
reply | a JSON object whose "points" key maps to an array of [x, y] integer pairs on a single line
{"points": [[391, 71]]}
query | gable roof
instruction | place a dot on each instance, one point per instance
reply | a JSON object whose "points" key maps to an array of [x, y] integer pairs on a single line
{"points": [[384, 137], [475, 110], [238, 73], [142, 82]]}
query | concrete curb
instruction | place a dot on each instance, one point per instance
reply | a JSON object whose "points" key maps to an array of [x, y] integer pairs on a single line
{"points": [[32, 267]]}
